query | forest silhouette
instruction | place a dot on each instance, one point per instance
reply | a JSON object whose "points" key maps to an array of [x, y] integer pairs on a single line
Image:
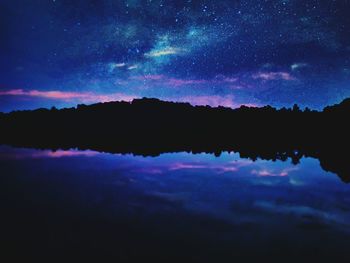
{"points": [[150, 127]]}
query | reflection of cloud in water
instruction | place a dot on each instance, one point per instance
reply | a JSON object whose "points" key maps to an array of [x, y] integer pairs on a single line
{"points": [[296, 182], [182, 166], [60, 154], [254, 198], [172, 197], [231, 166], [218, 168], [272, 172], [306, 213], [259, 168], [37, 154], [149, 170]]}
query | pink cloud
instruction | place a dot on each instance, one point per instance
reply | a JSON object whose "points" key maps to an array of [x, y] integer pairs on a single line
{"points": [[86, 97], [91, 97], [273, 76]]}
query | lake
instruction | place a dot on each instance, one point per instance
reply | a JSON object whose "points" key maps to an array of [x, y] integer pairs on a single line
{"points": [[174, 207]]}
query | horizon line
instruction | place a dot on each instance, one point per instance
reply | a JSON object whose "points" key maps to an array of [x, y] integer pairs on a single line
{"points": [[243, 105]]}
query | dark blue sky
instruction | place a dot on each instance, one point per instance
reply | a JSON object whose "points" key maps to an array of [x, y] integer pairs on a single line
{"points": [[281, 52]]}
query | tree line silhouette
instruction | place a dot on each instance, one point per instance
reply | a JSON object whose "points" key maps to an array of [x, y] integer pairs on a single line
{"points": [[151, 127]]}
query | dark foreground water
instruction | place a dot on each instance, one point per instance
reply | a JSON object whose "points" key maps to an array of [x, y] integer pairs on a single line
{"points": [[175, 207]]}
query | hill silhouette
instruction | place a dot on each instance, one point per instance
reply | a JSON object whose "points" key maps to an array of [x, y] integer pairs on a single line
{"points": [[151, 127]]}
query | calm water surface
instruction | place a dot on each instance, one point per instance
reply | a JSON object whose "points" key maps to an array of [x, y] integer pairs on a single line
{"points": [[181, 206]]}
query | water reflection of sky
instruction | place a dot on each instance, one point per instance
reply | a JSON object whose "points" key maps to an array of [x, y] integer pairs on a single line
{"points": [[257, 201]]}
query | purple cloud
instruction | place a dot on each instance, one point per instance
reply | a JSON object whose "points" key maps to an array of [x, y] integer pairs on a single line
{"points": [[86, 97]]}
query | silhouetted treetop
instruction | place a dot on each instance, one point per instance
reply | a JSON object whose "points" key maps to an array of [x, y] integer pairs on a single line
{"points": [[151, 126]]}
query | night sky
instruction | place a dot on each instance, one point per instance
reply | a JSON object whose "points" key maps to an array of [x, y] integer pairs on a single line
{"points": [[278, 52]]}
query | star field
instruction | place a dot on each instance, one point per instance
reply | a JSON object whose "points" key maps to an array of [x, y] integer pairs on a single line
{"points": [[229, 53]]}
